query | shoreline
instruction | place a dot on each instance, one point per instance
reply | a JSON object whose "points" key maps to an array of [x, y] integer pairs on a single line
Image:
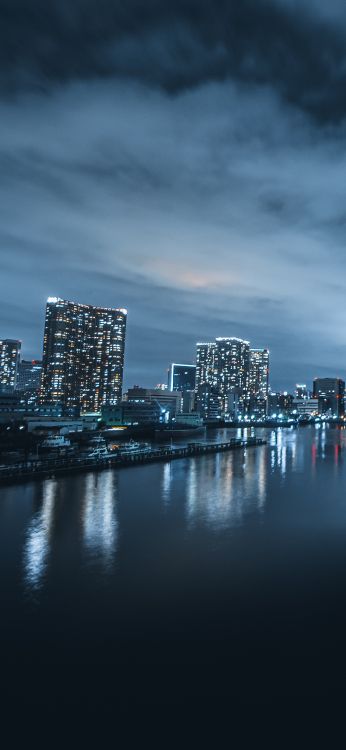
{"points": [[18, 473]]}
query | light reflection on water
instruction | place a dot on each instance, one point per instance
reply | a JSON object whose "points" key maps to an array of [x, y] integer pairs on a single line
{"points": [[38, 538], [221, 489], [218, 491], [98, 516]]}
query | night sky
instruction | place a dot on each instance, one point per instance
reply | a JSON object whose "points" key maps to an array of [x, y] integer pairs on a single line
{"points": [[183, 159]]}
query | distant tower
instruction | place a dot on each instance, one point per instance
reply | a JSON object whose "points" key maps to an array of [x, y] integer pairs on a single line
{"points": [[83, 355], [259, 373], [9, 361], [233, 368], [223, 365]]}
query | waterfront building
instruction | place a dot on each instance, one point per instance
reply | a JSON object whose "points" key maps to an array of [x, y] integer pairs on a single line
{"points": [[258, 382], [181, 377], [206, 368], [208, 401], [83, 355], [142, 412], [280, 404], [234, 405], [223, 366], [188, 402], [302, 391], [9, 360], [258, 407], [305, 407], [169, 401], [330, 393], [259, 373], [233, 369]]}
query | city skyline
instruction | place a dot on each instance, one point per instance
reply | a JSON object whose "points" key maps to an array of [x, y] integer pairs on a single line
{"points": [[173, 165], [323, 371]]}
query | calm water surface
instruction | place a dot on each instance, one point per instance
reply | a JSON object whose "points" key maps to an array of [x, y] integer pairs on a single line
{"points": [[220, 578]]}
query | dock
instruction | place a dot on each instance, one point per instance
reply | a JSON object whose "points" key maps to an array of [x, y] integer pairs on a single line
{"points": [[54, 467]]}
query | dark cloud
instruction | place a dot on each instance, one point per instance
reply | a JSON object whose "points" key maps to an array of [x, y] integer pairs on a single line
{"points": [[185, 160], [298, 48]]}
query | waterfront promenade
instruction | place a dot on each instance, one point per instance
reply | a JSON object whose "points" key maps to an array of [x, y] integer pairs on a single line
{"points": [[50, 467]]}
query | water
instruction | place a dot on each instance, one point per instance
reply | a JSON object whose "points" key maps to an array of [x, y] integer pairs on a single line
{"points": [[214, 579]]}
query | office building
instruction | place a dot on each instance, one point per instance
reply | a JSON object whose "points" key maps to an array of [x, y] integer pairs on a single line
{"points": [[301, 391], [29, 375], [330, 393], [83, 355], [280, 404], [305, 407], [181, 377], [9, 360], [169, 401], [142, 412], [29, 381]]}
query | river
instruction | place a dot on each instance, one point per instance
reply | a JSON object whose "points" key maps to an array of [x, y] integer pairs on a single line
{"points": [[218, 578]]}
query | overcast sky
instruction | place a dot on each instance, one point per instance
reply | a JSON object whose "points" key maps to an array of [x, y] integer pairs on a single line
{"points": [[186, 160]]}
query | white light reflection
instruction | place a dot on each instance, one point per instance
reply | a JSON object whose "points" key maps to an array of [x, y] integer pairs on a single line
{"points": [[226, 487], [37, 543], [99, 520], [166, 482]]}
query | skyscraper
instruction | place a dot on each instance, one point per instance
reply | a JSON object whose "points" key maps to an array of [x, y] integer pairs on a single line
{"points": [[83, 355], [181, 377], [223, 365], [206, 369], [9, 360], [233, 368], [259, 373]]}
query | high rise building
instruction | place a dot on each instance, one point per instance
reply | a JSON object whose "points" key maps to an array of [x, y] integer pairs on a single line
{"points": [[9, 360], [259, 373], [29, 381], [224, 365], [258, 382], [181, 377], [29, 375], [330, 393], [206, 369], [233, 368], [83, 355]]}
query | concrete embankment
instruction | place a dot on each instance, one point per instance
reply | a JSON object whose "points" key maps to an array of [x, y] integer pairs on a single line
{"points": [[52, 467]]}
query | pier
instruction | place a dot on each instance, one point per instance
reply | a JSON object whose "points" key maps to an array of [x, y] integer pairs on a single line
{"points": [[52, 467]]}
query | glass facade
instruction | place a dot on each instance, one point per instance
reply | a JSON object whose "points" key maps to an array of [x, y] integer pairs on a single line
{"points": [[83, 355]]}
